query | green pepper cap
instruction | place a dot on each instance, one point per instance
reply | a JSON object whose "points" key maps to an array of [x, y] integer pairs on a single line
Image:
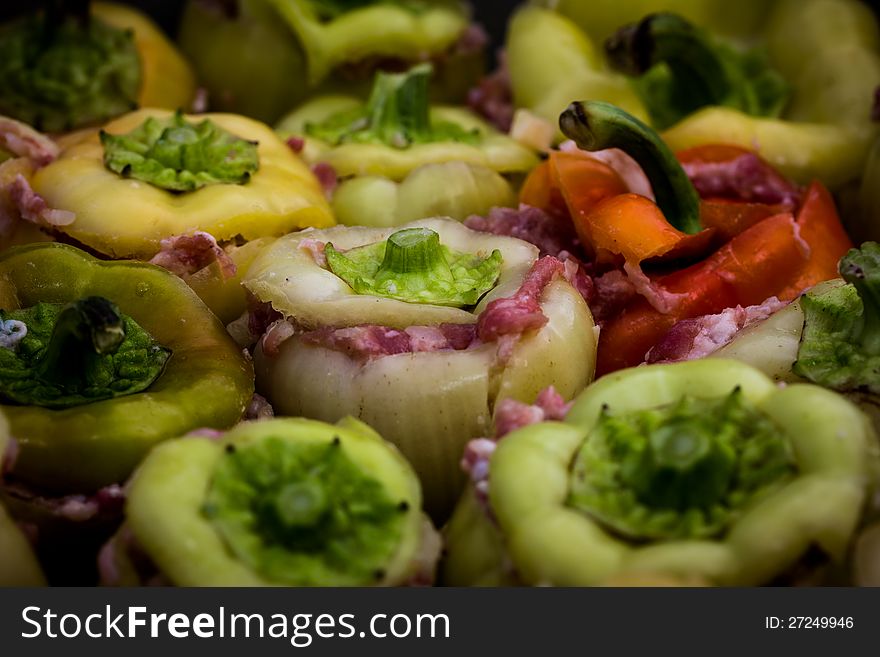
{"points": [[297, 513], [595, 126], [181, 156], [682, 471], [64, 70], [413, 266], [396, 114], [679, 69], [840, 344], [74, 354]]}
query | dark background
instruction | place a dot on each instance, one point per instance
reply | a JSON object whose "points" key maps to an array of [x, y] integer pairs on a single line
{"points": [[492, 14]]}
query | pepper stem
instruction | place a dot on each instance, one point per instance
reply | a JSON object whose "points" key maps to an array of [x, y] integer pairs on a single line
{"points": [[301, 504], [84, 331], [413, 251], [398, 106], [595, 126]]}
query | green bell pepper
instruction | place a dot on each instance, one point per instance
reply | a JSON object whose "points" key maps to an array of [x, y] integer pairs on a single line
{"points": [[400, 159], [262, 57], [18, 567], [703, 469], [96, 389], [823, 132], [284, 502]]}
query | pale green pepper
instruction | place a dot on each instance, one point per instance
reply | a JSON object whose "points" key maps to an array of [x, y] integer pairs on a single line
{"points": [[703, 469], [285, 502], [399, 159], [261, 57], [427, 400]]}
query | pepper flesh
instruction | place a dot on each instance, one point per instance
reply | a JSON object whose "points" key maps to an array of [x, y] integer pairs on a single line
{"points": [[206, 382]]}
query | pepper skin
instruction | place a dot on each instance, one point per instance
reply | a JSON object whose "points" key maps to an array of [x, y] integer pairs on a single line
{"points": [[181, 516], [815, 502], [206, 381]]}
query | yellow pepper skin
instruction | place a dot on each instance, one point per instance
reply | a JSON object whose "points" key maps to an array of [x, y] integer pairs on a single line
{"points": [[125, 218], [551, 542], [167, 79], [824, 131], [18, 567]]}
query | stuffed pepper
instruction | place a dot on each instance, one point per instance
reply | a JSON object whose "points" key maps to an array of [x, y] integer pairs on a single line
{"points": [[396, 158], [200, 195], [417, 331], [724, 228], [76, 64], [702, 472], [284, 502], [702, 90], [262, 57], [99, 362], [19, 566]]}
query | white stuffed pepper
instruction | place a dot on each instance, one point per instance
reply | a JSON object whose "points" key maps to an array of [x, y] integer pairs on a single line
{"points": [[418, 331]]}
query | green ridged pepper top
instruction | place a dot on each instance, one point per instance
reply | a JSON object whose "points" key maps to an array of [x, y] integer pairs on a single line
{"points": [[97, 439]]}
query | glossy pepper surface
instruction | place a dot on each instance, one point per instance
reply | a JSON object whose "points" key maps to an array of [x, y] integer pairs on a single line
{"points": [[701, 470], [205, 381], [125, 205]]}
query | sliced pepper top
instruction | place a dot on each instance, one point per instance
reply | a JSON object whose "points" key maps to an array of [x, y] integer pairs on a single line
{"points": [[678, 69], [300, 513], [65, 69], [77, 353], [840, 344], [412, 265], [396, 114], [680, 471], [180, 155]]}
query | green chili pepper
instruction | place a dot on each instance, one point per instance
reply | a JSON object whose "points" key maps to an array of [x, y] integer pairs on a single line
{"points": [[406, 149], [119, 405], [18, 567], [702, 469], [285, 502]]}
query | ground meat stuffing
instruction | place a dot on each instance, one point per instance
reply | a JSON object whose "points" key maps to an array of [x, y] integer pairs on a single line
{"points": [[23, 141], [552, 235], [492, 98], [184, 255], [33, 207], [698, 337], [745, 178]]}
